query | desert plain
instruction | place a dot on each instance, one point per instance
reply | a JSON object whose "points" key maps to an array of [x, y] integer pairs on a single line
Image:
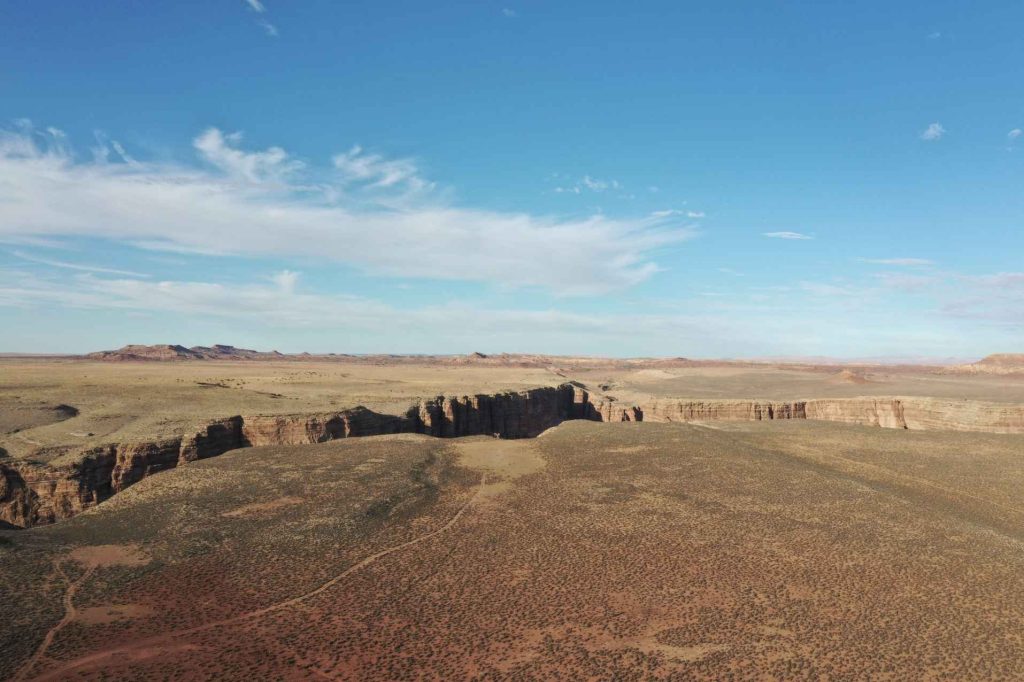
{"points": [[509, 517]]}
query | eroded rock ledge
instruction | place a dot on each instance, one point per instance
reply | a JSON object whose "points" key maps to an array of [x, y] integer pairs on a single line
{"points": [[35, 494]]}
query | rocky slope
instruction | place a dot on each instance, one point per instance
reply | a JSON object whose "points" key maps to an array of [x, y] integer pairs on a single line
{"points": [[32, 494], [172, 352], [999, 363]]}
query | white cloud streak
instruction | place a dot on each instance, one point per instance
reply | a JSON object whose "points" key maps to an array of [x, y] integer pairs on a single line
{"points": [[280, 305], [260, 8], [286, 280], [933, 132], [74, 266], [266, 203], [786, 235], [589, 184], [905, 262], [356, 165], [272, 165]]}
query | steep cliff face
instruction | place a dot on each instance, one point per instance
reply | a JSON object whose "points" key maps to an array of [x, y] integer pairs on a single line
{"points": [[31, 495], [505, 415], [885, 412], [722, 410]]}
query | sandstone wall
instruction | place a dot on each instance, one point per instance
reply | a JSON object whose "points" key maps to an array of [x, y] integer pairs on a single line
{"points": [[33, 494]]}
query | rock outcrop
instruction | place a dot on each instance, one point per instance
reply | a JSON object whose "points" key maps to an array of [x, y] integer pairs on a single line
{"points": [[999, 363], [161, 352], [33, 494], [172, 352]]}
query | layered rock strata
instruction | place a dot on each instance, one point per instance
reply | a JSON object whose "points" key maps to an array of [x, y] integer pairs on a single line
{"points": [[35, 494]]}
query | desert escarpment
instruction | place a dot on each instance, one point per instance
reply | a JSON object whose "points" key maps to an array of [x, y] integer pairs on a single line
{"points": [[925, 414], [32, 494], [998, 364]]}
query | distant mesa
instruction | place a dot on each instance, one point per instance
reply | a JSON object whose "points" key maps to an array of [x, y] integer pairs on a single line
{"points": [[161, 352], [173, 352], [1011, 360], [999, 363], [848, 376]]}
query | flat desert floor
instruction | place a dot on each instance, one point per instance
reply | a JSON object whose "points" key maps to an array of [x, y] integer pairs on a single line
{"points": [[116, 402], [775, 550], [50, 410]]}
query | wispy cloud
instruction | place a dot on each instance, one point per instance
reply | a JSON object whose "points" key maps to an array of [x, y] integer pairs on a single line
{"points": [[589, 184], [933, 132], [260, 8], [510, 13], [696, 214], [934, 35], [356, 165], [271, 165], [75, 266], [1015, 133], [786, 235], [831, 290], [285, 280], [909, 262], [996, 298], [281, 304], [906, 282], [267, 203]]}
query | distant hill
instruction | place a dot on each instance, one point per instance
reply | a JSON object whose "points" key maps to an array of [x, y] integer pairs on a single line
{"points": [[162, 352], [173, 352], [844, 371], [999, 363]]}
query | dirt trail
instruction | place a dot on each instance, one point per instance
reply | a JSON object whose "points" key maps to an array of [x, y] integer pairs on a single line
{"points": [[70, 612], [158, 642]]}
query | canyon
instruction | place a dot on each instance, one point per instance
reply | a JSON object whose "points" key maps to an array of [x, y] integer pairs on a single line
{"points": [[34, 493]]}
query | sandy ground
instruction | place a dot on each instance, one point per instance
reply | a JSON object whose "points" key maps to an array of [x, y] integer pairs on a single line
{"points": [[789, 384], [776, 550], [118, 402], [55, 408]]}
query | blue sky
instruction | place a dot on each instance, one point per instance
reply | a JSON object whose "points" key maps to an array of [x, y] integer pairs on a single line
{"points": [[663, 178]]}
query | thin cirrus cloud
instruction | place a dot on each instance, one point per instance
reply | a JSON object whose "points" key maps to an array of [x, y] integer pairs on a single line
{"points": [[259, 8], [786, 235], [933, 132], [280, 304], [64, 265], [356, 165], [909, 262], [367, 212], [588, 184]]}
